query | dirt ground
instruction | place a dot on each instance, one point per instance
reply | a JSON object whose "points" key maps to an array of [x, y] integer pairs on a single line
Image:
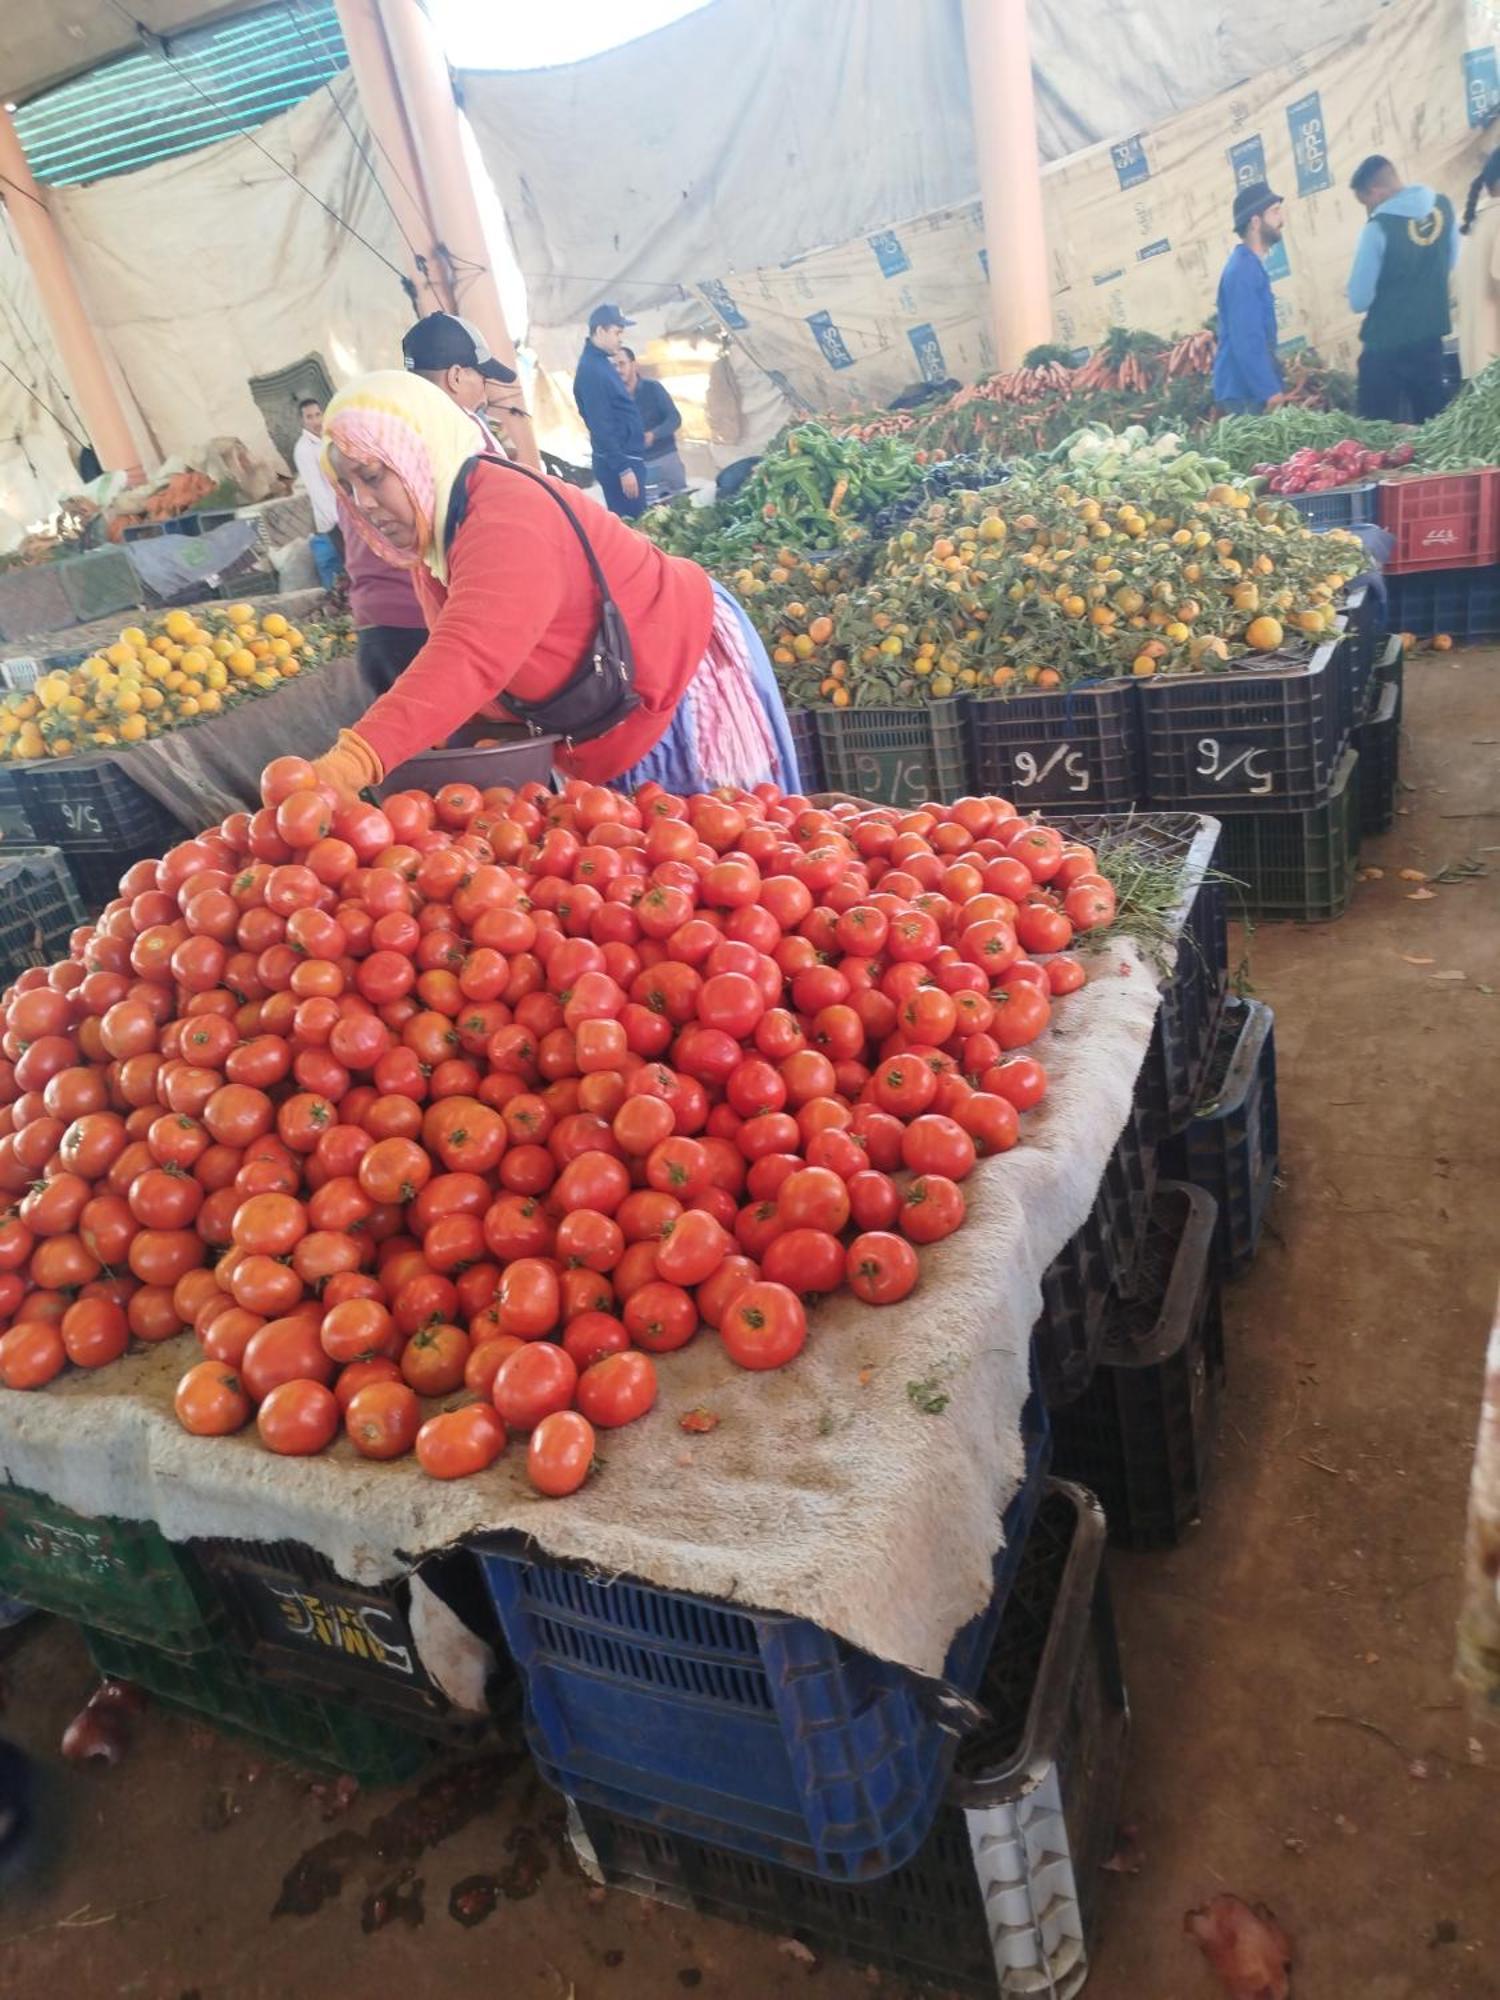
{"points": [[1298, 1737]]}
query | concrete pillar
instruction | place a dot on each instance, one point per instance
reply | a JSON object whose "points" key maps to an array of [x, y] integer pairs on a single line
{"points": [[998, 44], [93, 385], [392, 151], [426, 88]]}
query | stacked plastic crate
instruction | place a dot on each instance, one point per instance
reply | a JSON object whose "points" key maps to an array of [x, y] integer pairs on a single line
{"points": [[1444, 573]]}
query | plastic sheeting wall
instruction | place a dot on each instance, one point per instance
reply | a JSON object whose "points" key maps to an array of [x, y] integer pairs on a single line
{"points": [[35, 461], [205, 271], [757, 130], [1139, 230]]}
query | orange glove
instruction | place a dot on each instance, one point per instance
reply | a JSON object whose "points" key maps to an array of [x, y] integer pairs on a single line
{"points": [[349, 766]]}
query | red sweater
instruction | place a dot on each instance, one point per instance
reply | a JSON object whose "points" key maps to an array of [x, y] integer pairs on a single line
{"points": [[521, 609]]}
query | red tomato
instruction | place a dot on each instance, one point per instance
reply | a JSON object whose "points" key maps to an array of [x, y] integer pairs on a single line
{"points": [[991, 1122], [211, 1400], [660, 1317], [805, 1260], [765, 1327], [881, 1268], [691, 1248], [560, 1454], [592, 1335], [617, 1389], [932, 1207], [937, 1145], [456, 1443], [532, 1383], [298, 1418]]}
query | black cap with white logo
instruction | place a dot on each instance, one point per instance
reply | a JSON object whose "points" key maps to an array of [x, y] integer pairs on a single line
{"points": [[443, 340]]}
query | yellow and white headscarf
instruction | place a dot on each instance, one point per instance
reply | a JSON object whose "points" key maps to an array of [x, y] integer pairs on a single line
{"points": [[398, 420]]}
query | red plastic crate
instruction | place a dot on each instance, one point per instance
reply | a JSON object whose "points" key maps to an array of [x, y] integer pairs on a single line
{"points": [[1451, 521]]}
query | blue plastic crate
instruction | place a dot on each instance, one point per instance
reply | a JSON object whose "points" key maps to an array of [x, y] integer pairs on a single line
{"points": [[758, 1731], [1464, 603], [1343, 507], [1231, 1146]]}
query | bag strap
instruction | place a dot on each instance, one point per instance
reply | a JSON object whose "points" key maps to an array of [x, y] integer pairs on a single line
{"points": [[459, 501]]}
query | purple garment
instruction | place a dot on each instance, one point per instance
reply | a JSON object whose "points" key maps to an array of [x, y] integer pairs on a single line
{"points": [[379, 593]]}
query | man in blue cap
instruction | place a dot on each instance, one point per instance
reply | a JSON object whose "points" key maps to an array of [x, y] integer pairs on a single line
{"points": [[608, 409], [1246, 372]]}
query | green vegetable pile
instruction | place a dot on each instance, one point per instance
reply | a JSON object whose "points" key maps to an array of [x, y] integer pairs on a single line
{"points": [[1247, 441], [1468, 432]]}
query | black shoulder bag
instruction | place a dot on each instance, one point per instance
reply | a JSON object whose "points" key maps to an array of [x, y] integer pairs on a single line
{"points": [[600, 692]]}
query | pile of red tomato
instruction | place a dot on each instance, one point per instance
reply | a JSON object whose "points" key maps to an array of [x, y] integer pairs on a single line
{"points": [[474, 1103]]}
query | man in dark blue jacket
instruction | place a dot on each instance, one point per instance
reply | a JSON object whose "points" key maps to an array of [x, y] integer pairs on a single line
{"points": [[1246, 372], [665, 472], [608, 409]]}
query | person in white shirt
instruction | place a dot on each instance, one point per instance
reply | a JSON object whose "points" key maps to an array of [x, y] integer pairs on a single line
{"points": [[327, 537]]}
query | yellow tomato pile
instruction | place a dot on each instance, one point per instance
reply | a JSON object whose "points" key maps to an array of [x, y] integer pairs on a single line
{"points": [[183, 667], [443, 1120]]}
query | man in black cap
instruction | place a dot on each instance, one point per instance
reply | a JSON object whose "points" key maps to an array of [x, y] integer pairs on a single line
{"points": [[608, 409], [1246, 372], [453, 355]]}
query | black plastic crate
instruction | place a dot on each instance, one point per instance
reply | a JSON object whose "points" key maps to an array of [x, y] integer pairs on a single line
{"points": [[1390, 671], [803, 723], [39, 909], [88, 805], [1231, 1144], [1192, 991], [895, 756], [1250, 739], [1362, 625], [218, 1685], [305, 1627], [1076, 1285], [1378, 741], [1141, 1435], [15, 823], [1003, 1898], [1298, 865], [97, 875], [1078, 748], [1464, 603]]}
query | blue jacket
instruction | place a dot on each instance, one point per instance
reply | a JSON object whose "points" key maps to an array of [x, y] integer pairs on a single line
{"points": [[1245, 366], [659, 415], [608, 409]]}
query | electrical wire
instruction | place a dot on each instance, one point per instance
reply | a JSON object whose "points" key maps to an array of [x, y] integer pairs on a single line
{"points": [[27, 389], [154, 42], [295, 15]]}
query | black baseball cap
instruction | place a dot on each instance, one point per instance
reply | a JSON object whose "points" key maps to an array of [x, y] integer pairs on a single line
{"points": [[607, 315], [443, 340], [1251, 200]]}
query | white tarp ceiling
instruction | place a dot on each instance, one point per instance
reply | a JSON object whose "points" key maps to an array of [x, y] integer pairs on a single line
{"points": [[44, 40], [756, 130]]}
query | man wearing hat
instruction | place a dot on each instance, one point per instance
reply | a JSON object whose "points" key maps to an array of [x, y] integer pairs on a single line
{"points": [[1246, 372], [452, 354], [608, 409]]}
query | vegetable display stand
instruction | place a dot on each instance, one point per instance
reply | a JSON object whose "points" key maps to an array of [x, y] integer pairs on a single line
{"points": [[1339, 507], [1078, 748], [88, 805], [1297, 864], [1076, 1285], [516, 758], [124, 1576], [1231, 1144], [803, 723], [895, 756], [751, 1729], [305, 1627], [1378, 741], [1448, 520], [1141, 1435], [1263, 738], [39, 909], [1463, 603], [1003, 1898], [221, 1687]]}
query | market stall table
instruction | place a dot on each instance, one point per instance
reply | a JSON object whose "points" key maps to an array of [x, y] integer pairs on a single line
{"points": [[861, 1488]]}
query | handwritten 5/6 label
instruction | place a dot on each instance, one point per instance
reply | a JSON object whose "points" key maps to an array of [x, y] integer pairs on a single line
{"points": [[1247, 769], [1032, 769]]}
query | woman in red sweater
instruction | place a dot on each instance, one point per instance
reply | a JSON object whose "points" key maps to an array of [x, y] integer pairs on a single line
{"points": [[526, 587]]}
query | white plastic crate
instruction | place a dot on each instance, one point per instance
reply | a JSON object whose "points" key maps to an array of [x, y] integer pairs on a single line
{"points": [[1035, 1810], [21, 673]]}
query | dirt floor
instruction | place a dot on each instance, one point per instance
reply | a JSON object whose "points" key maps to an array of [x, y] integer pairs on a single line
{"points": [[1298, 1736]]}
